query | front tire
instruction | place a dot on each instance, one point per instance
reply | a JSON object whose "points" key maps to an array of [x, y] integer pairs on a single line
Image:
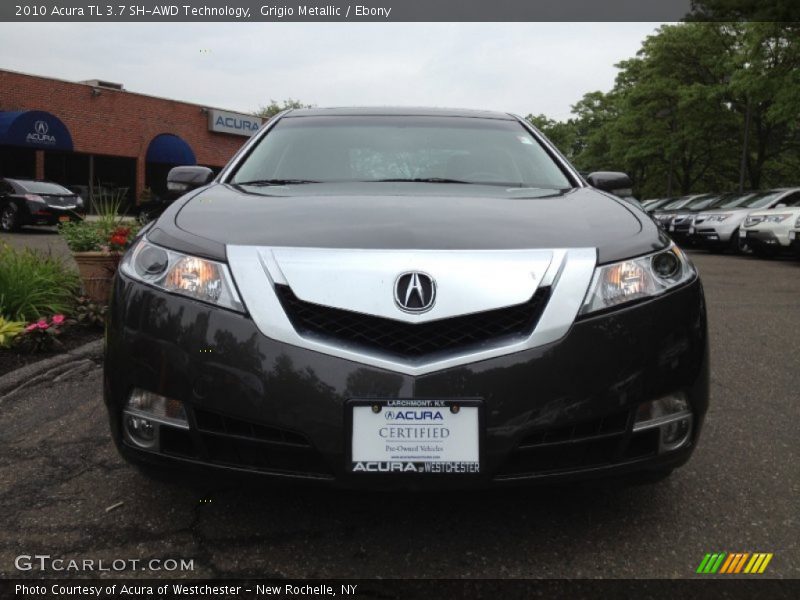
{"points": [[736, 245], [9, 217]]}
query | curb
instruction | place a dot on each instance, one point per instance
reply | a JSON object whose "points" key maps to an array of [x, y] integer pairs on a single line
{"points": [[52, 369]]}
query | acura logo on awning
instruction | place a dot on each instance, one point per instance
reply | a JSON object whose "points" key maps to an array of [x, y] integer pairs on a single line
{"points": [[414, 292], [39, 134]]}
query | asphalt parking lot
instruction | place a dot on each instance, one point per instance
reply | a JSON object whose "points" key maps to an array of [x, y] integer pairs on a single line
{"points": [[59, 473]]}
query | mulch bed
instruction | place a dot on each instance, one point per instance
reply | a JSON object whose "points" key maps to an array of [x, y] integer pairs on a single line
{"points": [[72, 337]]}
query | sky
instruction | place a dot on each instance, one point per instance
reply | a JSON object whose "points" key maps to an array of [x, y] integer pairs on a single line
{"points": [[539, 68]]}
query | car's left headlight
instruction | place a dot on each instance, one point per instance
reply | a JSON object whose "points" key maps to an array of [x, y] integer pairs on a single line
{"points": [[636, 279], [753, 220], [199, 278]]}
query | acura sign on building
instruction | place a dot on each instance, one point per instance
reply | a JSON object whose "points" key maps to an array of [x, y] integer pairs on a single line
{"points": [[223, 121]]}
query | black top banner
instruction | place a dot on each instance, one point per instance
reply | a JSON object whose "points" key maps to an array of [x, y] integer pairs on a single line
{"points": [[396, 10]]}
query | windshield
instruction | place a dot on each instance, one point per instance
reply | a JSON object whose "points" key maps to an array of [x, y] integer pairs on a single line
{"points": [[381, 148], [679, 203], [43, 187], [758, 200], [702, 202]]}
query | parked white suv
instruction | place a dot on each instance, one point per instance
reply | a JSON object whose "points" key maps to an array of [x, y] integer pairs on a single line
{"points": [[767, 231], [794, 237], [719, 229]]}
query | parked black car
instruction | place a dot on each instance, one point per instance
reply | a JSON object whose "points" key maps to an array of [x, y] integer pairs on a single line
{"points": [[405, 298], [32, 202]]}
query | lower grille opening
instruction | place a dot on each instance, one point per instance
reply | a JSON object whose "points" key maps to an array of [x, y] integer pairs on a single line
{"points": [[608, 425], [176, 442], [247, 454], [595, 443], [558, 457], [216, 423], [409, 340], [642, 444], [243, 444]]}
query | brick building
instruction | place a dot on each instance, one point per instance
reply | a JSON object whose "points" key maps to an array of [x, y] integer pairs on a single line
{"points": [[95, 133]]}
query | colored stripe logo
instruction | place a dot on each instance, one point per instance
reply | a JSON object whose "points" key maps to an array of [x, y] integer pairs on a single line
{"points": [[734, 562]]}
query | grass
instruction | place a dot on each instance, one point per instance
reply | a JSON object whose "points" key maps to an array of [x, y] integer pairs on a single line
{"points": [[34, 284]]}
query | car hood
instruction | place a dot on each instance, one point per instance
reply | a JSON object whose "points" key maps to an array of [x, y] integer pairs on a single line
{"points": [[787, 210], [406, 216]]}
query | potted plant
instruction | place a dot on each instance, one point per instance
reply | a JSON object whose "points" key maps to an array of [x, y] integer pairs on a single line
{"points": [[97, 243]]}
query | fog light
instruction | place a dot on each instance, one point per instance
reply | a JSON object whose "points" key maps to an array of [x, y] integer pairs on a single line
{"points": [[649, 412], [671, 415], [673, 434], [140, 430], [157, 408], [146, 413]]}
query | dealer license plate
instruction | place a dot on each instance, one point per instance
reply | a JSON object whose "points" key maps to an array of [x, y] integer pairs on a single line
{"points": [[63, 218], [415, 436]]}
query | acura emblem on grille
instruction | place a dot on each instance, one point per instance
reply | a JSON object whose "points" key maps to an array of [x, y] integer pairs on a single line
{"points": [[414, 292]]}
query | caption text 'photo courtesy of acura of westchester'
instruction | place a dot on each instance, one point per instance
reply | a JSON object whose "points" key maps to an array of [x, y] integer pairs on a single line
{"points": [[412, 298]]}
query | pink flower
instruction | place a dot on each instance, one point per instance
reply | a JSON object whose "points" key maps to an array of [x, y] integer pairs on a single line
{"points": [[58, 319], [42, 324], [31, 327]]}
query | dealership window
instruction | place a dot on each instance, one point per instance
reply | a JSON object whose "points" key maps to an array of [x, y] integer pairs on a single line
{"points": [[17, 162], [116, 173]]}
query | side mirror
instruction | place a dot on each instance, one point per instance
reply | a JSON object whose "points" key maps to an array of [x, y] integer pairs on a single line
{"points": [[611, 181], [184, 179]]}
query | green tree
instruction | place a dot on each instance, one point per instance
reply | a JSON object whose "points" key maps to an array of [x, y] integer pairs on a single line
{"points": [[274, 107], [703, 106], [562, 133]]}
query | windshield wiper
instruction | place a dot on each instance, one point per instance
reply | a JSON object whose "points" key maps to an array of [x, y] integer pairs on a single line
{"points": [[276, 182], [419, 180]]}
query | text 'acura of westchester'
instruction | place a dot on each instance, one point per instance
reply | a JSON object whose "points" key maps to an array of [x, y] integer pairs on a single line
{"points": [[410, 298]]}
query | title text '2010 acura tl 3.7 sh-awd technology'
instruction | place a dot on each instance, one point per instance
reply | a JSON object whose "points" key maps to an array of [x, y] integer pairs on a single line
{"points": [[405, 298]]}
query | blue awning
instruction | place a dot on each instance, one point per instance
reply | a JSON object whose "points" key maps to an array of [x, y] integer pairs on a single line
{"points": [[169, 149], [34, 129]]}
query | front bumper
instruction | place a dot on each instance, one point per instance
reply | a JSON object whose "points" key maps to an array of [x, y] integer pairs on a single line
{"points": [[711, 237], [767, 240], [682, 234], [556, 412], [794, 241]]}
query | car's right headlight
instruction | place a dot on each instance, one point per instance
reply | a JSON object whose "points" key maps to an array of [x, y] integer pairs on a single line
{"points": [[199, 278], [636, 279]]}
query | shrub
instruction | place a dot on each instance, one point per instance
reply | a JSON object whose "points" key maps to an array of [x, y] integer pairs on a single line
{"points": [[82, 236], [34, 284], [42, 335], [9, 330], [89, 312], [107, 232]]}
